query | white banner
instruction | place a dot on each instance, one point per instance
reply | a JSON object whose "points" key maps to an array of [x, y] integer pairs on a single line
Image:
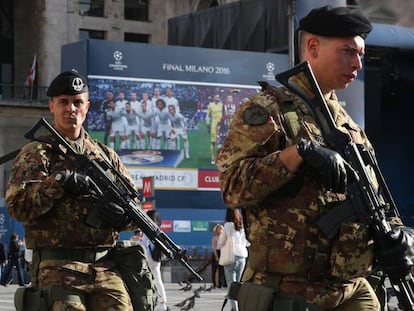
{"points": [[167, 178]]}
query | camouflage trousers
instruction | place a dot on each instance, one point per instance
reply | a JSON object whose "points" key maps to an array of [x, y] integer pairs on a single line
{"points": [[357, 294], [78, 286]]}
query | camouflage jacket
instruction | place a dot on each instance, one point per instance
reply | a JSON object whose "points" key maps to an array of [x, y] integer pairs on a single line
{"points": [[52, 218], [282, 208]]}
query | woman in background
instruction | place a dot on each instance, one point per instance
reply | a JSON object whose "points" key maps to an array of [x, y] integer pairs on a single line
{"points": [[217, 270], [233, 228]]}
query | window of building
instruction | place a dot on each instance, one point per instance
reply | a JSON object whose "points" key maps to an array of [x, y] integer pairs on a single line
{"points": [[136, 10], [136, 37], [91, 7], [91, 34]]}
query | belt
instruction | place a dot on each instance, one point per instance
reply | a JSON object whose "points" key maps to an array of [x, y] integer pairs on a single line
{"points": [[90, 255]]}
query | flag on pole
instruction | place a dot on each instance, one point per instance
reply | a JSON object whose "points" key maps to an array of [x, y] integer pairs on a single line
{"points": [[32, 73]]}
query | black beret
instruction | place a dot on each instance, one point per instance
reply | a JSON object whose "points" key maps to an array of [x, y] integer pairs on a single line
{"points": [[67, 83], [331, 21]]}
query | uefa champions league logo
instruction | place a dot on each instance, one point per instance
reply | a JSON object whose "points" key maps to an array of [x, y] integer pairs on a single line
{"points": [[118, 56], [270, 68], [117, 65]]}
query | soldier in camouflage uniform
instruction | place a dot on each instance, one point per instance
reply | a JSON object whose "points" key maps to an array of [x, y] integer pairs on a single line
{"points": [[70, 260], [262, 169]]}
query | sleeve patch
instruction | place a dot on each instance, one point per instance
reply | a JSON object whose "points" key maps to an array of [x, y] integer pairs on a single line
{"points": [[255, 115]]}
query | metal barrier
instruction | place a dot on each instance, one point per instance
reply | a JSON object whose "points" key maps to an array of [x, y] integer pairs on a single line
{"points": [[12, 94], [199, 259]]}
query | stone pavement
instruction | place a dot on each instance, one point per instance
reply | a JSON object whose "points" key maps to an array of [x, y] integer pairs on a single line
{"points": [[209, 300]]}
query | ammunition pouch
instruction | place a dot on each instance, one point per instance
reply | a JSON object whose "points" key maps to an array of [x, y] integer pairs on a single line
{"points": [[257, 297], [35, 299], [132, 264], [30, 299]]}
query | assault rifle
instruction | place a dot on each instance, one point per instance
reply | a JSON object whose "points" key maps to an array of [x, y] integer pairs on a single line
{"points": [[365, 202], [122, 193]]}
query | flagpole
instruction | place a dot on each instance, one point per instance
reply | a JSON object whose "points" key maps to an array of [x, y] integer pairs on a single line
{"points": [[31, 77], [31, 93]]}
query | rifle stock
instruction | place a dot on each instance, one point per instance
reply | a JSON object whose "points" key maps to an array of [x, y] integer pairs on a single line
{"points": [[365, 202], [122, 193]]}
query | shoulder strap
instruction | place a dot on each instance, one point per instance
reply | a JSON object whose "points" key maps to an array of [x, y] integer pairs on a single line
{"points": [[286, 101]]}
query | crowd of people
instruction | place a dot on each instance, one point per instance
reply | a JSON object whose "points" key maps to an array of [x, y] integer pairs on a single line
{"points": [[132, 119], [149, 123]]}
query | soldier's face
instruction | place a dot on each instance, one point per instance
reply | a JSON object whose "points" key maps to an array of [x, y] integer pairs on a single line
{"points": [[338, 61], [69, 113]]}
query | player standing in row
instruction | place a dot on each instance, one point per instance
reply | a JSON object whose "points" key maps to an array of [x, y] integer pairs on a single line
{"points": [[133, 140], [229, 108], [146, 118], [214, 115], [171, 100], [156, 95], [135, 103], [121, 100], [179, 129], [147, 101], [162, 125], [115, 115]]}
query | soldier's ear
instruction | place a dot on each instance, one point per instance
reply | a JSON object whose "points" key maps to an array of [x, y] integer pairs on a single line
{"points": [[313, 46], [51, 105]]}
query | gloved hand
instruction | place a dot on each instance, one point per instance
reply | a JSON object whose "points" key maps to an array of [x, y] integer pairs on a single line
{"points": [[113, 215], [327, 165], [395, 251], [76, 183]]}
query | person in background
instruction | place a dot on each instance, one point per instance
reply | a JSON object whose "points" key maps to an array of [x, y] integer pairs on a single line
{"points": [[23, 263], [213, 117], [120, 103], [132, 137], [3, 258], [171, 100], [178, 131], [107, 122], [138, 237], [156, 95], [276, 164], [146, 128], [234, 229], [13, 262], [147, 101], [53, 199], [217, 271], [162, 125], [154, 261], [27, 258]]}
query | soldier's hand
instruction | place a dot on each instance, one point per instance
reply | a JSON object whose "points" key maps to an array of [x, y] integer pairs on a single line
{"points": [[76, 183], [329, 168], [113, 215], [395, 251]]}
